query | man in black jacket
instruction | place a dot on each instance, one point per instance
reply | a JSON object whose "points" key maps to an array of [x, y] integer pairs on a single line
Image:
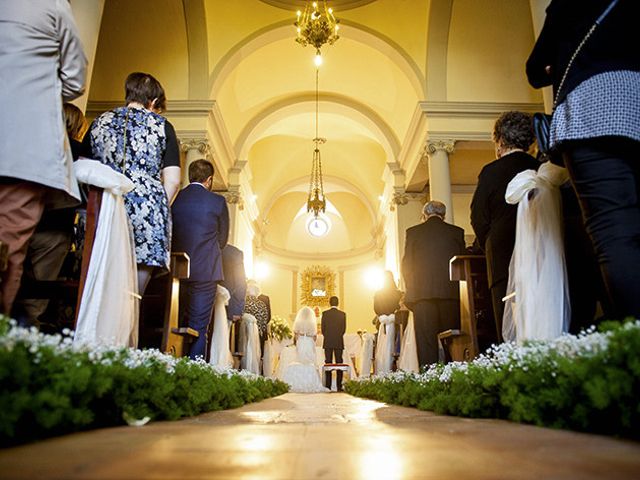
{"points": [[431, 296], [492, 218], [333, 325]]}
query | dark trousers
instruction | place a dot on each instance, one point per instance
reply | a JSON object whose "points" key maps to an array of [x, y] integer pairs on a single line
{"points": [[498, 292], [605, 173], [196, 304], [431, 317], [329, 355]]}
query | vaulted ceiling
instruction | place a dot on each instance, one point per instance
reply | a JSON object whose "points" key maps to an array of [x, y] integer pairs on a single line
{"points": [[402, 71]]}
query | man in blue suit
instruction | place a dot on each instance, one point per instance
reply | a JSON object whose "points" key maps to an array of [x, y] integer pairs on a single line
{"points": [[201, 229]]}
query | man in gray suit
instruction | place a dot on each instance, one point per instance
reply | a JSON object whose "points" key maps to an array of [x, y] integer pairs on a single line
{"points": [[431, 296], [333, 325], [42, 64]]}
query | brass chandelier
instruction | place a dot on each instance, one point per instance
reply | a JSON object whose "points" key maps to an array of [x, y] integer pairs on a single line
{"points": [[316, 26], [316, 202]]}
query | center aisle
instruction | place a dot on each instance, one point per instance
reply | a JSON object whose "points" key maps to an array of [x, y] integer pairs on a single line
{"points": [[326, 436]]}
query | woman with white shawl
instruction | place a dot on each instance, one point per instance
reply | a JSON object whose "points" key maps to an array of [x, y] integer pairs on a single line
{"points": [[537, 302], [302, 375]]}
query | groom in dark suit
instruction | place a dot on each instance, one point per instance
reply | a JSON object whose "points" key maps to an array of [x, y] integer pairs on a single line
{"points": [[333, 325], [201, 229], [432, 297]]}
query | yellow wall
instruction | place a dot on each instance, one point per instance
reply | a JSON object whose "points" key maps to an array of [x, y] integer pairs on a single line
{"points": [[489, 43], [150, 38]]}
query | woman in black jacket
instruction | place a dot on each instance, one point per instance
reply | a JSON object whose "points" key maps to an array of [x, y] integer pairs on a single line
{"points": [[596, 127]]}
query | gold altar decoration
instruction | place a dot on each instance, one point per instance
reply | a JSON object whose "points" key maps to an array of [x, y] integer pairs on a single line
{"points": [[317, 286]]}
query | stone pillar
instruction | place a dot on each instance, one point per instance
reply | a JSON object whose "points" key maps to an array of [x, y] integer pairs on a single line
{"points": [[194, 149], [236, 205], [439, 174], [88, 17]]}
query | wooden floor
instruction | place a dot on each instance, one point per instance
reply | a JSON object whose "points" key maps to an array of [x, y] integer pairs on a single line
{"points": [[325, 436]]}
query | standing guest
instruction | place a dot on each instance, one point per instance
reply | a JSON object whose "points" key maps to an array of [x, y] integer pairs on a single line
{"points": [[387, 300], [432, 297], [235, 280], [492, 218], [201, 229], [51, 241], [333, 325], [256, 306], [596, 128], [141, 144], [42, 64]]}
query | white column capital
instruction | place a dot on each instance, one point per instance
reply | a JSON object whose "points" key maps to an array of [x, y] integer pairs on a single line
{"points": [[433, 146], [201, 145]]}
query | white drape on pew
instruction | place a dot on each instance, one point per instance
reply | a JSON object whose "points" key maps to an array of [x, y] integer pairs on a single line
{"points": [[220, 353], [108, 313]]}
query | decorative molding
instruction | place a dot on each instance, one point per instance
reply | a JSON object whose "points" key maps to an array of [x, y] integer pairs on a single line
{"points": [[233, 196], [399, 198], [433, 146], [281, 252], [199, 144], [474, 136], [175, 108], [291, 5], [475, 109]]}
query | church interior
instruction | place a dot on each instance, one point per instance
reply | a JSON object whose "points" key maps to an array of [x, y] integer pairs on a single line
{"points": [[407, 98]]}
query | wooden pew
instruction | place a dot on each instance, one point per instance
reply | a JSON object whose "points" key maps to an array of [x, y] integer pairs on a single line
{"points": [[160, 323], [477, 330]]}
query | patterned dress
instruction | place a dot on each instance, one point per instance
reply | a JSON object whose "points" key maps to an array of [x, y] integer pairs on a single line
{"points": [[151, 145]]}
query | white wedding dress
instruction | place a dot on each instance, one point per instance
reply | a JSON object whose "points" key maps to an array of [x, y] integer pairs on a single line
{"points": [[537, 305], [303, 374]]}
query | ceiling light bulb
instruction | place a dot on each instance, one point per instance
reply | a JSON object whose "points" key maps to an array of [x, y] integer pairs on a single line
{"points": [[318, 60]]}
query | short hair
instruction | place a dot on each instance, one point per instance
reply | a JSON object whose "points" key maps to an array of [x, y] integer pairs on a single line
{"points": [[144, 88], [434, 207], [333, 301], [514, 130], [76, 123], [253, 289], [200, 170]]}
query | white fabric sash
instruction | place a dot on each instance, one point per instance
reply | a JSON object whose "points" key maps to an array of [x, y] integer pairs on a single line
{"points": [[386, 339], [220, 353], [540, 308], [251, 359], [408, 360], [366, 355], [108, 312]]}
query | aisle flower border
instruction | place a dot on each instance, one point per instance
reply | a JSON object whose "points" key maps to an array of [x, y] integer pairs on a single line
{"points": [[587, 382], [51, 386]]}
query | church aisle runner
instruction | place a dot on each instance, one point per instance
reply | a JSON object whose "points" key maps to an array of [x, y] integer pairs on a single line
{"points": [[324, 436]]}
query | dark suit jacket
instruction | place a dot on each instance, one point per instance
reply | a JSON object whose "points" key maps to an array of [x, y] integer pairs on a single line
{"points": [[492, 218], [333, 326], [425, 266], [235, 279], [201, 229], [612, 46]]}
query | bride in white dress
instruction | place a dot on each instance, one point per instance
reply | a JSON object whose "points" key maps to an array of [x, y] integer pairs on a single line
{"points": [[302, 375]]}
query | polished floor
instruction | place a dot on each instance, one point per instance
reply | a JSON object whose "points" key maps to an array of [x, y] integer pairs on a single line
{"points": [[325, 436]]}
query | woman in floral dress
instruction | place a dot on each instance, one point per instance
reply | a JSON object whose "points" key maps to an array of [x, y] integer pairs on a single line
{"points": [[140, 143]]}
